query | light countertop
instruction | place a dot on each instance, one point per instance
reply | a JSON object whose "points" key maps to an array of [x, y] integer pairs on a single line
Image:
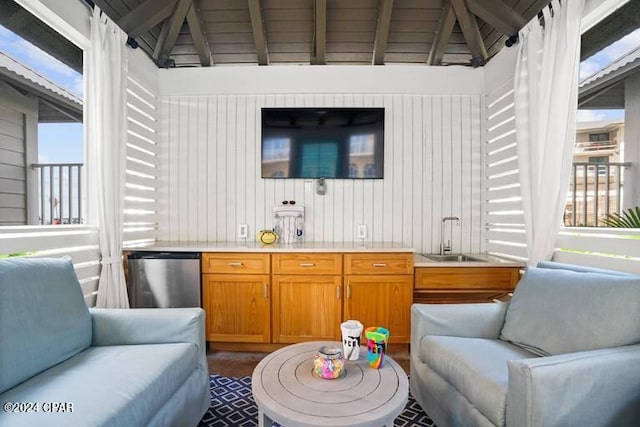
{"points": [[277, 247], [326, 247]]}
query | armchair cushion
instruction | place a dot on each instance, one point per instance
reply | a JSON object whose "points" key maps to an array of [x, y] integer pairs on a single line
{"points": [[40, 299], [585, 311], [475, 367]]}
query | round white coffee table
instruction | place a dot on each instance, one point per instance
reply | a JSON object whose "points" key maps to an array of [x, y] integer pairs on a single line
{"points": [[286, 391]]}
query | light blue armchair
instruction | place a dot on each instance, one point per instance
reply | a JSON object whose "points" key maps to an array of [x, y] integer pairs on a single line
{"points": [[564, 352], [62, 364]]}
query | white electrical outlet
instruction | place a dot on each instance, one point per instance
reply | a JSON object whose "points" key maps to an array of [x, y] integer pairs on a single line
{"points": [[308, 186], [243, 231], [362, 231]]}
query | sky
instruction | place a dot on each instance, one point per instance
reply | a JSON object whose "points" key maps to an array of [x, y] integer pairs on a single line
{"points": [[63, 142], [595, 63], [57, 142]]}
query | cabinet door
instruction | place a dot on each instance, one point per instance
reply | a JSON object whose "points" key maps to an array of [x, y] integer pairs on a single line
{"points": [[306, 308], [381, 301], [237, 307]]}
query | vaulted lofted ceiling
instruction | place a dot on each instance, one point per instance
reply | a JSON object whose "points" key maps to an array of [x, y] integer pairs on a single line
{"points": [[192, 33]]}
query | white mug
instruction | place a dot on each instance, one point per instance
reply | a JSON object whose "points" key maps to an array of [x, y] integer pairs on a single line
{"points": [[351, 332]]}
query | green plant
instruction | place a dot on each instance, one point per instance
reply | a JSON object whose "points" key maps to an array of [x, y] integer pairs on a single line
{"points": [[628, 219], [14, 254]]}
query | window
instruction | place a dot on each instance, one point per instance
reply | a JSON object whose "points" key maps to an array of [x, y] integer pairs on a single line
{"points": [[46, 180], [599, 159], [599, 137], [276, 149], [361, 144], [319, 159], [602, 170]]}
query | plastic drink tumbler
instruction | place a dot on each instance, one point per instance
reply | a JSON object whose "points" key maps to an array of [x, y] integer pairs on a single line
{"points": [[351, 332], [377, 339]]}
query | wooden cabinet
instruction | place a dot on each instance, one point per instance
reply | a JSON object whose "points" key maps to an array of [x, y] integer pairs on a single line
{"points": [[253, 299], [383, 300], [306, 308], [378, 263], [235, 263], [307, 297], [307, 263], [236, 301], [464, 284], [379, 291]]}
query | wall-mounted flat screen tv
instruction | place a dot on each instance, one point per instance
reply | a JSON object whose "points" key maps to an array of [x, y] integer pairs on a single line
{"points": [[322, 142]]}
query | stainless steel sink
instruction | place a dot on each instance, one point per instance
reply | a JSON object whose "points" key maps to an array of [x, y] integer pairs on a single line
{"points": [[453, 258]]}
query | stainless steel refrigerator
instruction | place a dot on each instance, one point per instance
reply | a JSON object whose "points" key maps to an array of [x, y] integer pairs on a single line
{"points": [[163, 279]]}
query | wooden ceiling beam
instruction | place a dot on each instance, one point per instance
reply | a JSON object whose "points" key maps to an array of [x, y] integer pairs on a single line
{"points": [[471, 33], [198, 35], [320, 32], [385, 10], [170, 30], [259, 37], [443, 34], [498, 15], [146, 16]]}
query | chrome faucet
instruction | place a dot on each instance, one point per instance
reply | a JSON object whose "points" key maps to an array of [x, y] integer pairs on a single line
{"points": [[444, 249]]}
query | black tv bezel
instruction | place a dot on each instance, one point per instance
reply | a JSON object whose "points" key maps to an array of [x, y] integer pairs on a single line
{"points": [[381, 164]]}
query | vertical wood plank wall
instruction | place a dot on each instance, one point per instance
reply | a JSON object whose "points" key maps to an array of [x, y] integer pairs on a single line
{"points": [[210, 177]]}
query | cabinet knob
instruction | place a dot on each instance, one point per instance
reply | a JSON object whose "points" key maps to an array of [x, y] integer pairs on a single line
{"points": [[307, 264], [348, 291], [338, 292], [379, 264], [235, 264], [265, 290]]}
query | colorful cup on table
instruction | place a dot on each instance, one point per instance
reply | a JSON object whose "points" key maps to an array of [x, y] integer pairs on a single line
{"points": [[351, 332], [377, 339]]}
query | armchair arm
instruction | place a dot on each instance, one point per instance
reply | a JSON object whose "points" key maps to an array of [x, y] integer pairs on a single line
{"points": [[481, 320], [148, 326], [598, 388]]}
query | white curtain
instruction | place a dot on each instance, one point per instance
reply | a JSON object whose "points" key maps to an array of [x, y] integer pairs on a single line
{"points": [[106, 74], [546, 91]]}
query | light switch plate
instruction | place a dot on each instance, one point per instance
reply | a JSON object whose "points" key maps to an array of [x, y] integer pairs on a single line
{"points": [[362, 231], [243, 231]]}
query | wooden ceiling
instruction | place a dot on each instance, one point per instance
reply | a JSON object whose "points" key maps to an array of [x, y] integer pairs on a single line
{"points": [[193, 33]]}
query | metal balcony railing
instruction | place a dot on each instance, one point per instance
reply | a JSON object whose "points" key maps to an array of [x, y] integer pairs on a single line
{"points": [[59, 193], [595, 190], [589, 146]]}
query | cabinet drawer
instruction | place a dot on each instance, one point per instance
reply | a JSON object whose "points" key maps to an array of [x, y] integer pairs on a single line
{"points": [[239, 263], [378, 263], [466, 278], [311, 263]]}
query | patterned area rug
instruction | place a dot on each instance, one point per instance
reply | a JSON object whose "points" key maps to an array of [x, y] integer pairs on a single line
{"points": [[232, 405]]}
